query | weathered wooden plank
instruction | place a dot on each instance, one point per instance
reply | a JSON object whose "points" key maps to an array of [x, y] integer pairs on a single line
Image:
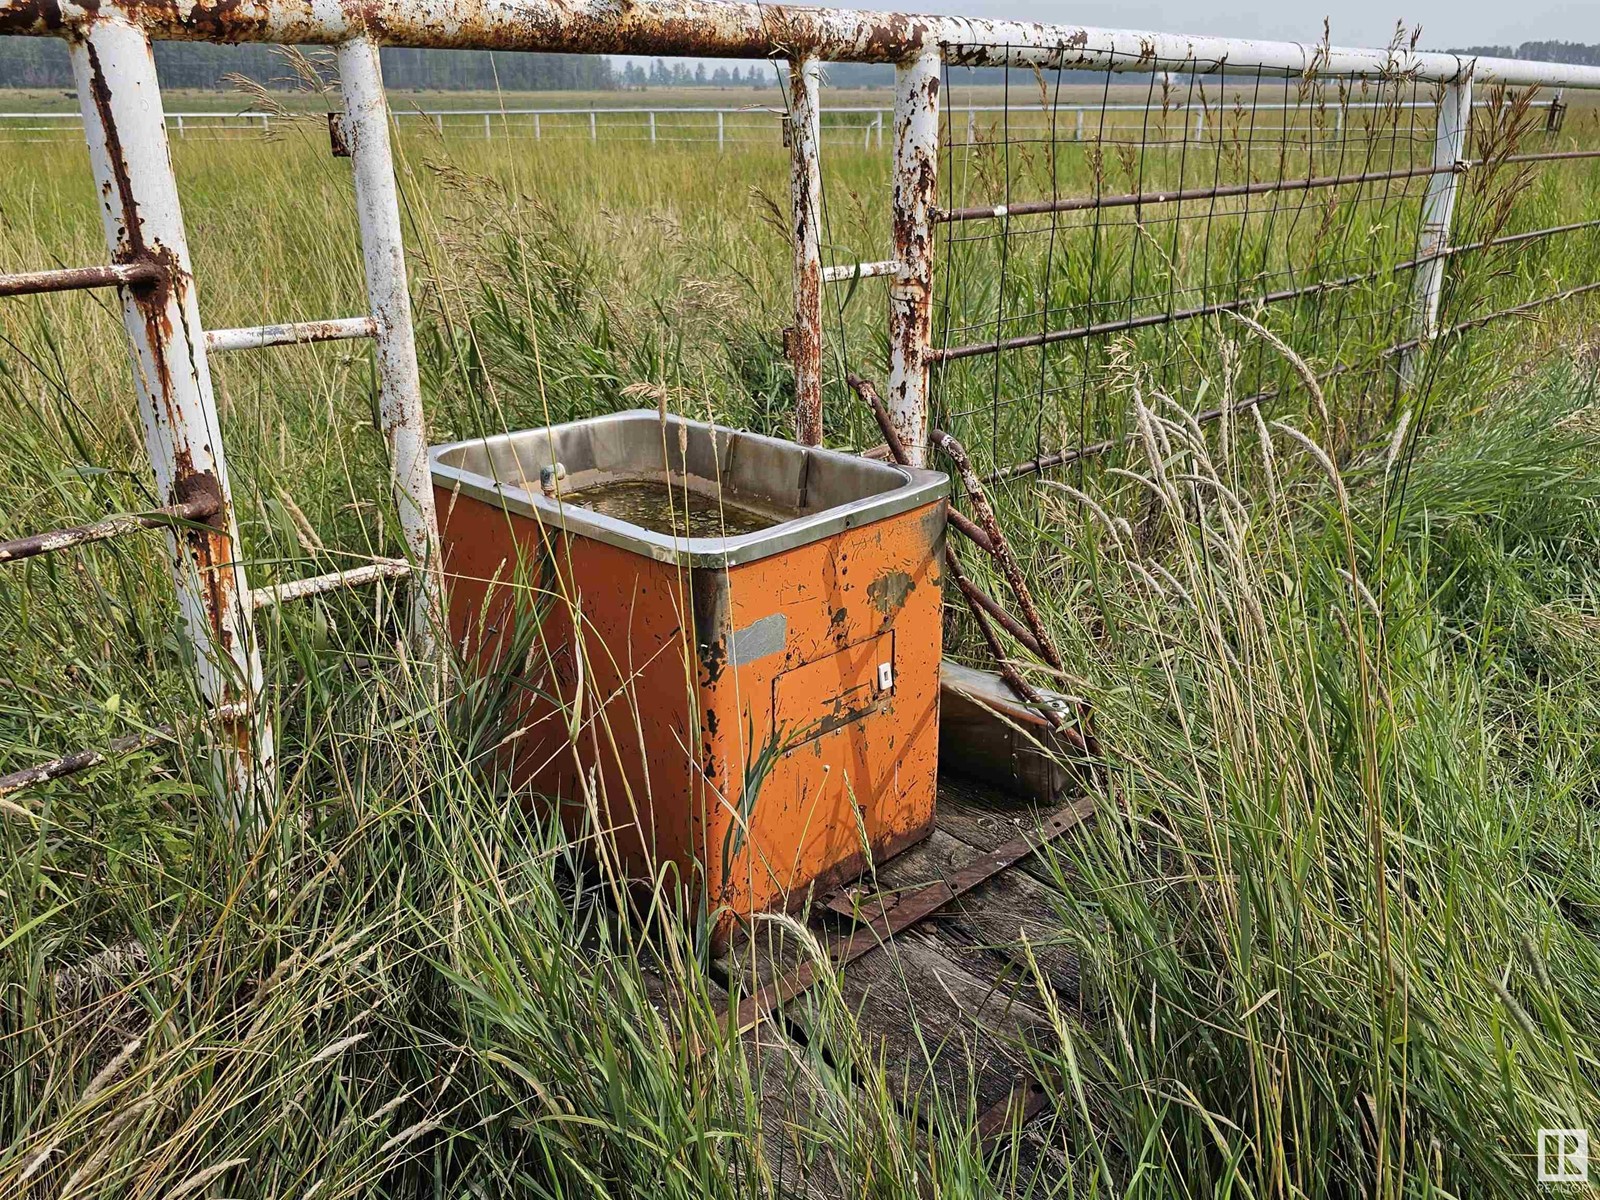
{"points": [[984, 929], [1033, 1162], [790, 1098], [984, 818], [945, 1006], [941, 1034], [796, 1148]]}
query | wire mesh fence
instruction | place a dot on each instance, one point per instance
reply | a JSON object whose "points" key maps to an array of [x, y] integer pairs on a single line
{"points": [[1078, 263]]}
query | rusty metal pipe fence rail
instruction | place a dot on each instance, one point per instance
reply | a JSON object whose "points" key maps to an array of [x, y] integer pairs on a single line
{"points": [[169, 348]]}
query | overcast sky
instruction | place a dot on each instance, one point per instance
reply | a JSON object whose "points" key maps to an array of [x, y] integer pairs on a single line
{"points": [[1355, 22]]}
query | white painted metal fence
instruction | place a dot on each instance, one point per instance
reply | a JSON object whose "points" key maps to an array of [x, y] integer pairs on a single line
{"points": [[734, 126]]}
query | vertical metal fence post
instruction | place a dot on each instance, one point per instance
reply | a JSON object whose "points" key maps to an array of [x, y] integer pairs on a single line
{"points": [[1438, 206], [805, 213], [719, 133], [652, 127], [399, 383], [916, 178], [124, 125], [593, 133]]}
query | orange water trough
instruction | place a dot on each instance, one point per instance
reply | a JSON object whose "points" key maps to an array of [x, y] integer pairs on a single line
{"points": [[759, 710]]}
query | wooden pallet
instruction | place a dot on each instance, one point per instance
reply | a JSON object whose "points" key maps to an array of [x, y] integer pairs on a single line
{"points": [[939, 955]]}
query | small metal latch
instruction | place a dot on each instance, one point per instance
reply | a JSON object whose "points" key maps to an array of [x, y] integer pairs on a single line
{"points": [[788, 342], [885, 676], [338, 135], [1555, 114]]}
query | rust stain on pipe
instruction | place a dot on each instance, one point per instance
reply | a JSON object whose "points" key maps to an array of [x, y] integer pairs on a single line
{"points": [[916, 175], [805, 205], [744, 29], [198, 509], [71, 279]]}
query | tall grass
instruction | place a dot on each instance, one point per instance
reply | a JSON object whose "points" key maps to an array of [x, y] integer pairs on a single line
{"points": [[1337, 917]]}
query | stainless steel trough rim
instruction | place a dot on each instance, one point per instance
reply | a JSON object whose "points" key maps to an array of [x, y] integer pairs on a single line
{"points": [[918, 488]]}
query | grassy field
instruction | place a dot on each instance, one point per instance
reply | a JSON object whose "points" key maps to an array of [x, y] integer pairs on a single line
{"points": [[1338, 917]]}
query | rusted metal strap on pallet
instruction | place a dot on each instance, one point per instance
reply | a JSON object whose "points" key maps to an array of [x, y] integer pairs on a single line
{"points": [[198, 509], [1027, 1099], [908, 908]]}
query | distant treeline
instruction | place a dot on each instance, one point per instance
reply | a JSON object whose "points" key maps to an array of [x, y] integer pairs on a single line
{"points": [[838, 75], [681, 74], [42, 62], [1575, 53]]}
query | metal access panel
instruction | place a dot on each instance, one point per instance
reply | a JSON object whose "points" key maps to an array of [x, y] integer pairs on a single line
{"points": [[840, 689]]}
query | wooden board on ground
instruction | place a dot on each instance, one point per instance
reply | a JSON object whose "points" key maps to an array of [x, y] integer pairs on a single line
{"points": [[794, 1147], [985, 819], [940, 1034], [991, 930], [946, 1007]]}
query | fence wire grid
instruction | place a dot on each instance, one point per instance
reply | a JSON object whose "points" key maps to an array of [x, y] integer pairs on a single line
{"points": [[1079, 259]]}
